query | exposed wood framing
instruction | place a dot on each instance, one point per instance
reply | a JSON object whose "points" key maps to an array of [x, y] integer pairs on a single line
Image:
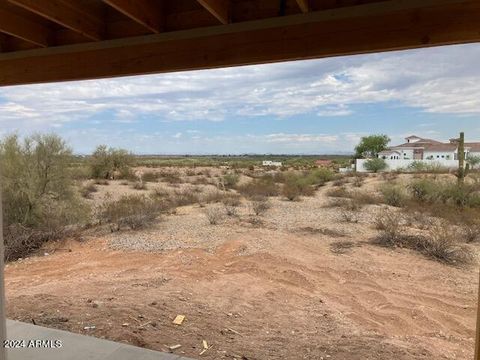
{"points": [[148, 13], [24, 29], [404, 24], [303, 5], [218, 8], [67, 13]]}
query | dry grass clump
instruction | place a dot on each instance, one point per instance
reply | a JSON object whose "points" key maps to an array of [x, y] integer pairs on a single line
{"points": [[339, 192], [150, 176], [201, 180], [260, 205], [341, 181], [322, 231], [349, 216], [103, 182], [358, 181], [393, 195], [131, 211], [171, 177], [139, 185], [21, 240], [184, 197], [441, 242], [231, 204], [341, 247], [214, 215], [87, 190]]}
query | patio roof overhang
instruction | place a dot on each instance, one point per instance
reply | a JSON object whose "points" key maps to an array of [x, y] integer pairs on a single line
{"points": [[58, 40]]}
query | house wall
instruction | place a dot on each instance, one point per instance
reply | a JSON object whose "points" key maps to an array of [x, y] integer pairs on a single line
{"points": [[403, 164], [437, 155]]}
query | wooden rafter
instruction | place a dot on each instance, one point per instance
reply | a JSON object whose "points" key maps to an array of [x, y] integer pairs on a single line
{"points": [[303, 5], [342, 31], [69, 14], [218, 8], [148, 13], [24, 29]]}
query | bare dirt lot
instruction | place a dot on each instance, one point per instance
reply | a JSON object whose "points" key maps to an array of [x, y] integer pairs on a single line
{"points": [[297, 284]]}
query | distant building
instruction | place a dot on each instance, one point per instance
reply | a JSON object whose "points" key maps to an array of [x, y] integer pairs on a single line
{"points": [[421, 150], [271, 163]]}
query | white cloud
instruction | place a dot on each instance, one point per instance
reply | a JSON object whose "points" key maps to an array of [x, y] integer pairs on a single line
{"points": [[448, 83]]}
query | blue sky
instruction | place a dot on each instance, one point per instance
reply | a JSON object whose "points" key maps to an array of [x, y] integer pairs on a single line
{"points": [[302, 107]]}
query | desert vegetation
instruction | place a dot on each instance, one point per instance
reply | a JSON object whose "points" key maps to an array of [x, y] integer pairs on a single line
{"points": [[294, 231]]}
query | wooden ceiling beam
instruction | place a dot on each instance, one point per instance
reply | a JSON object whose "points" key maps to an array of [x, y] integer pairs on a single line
{"points": [[148, 13], [303, 5], [69, 14], [385, 26], [218, 8], [24, 29]]}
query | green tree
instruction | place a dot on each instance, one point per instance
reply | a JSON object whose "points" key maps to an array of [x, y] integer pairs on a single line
{"points": [[375, 165], [370, 146], [473, 161], [38, 199], [106, 162]]}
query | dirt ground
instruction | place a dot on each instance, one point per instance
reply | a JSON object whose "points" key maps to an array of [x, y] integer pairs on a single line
{"points": [[275, 291]]}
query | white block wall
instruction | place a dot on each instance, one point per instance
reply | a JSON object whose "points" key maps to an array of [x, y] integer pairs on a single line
{"points": [[403, 164]]}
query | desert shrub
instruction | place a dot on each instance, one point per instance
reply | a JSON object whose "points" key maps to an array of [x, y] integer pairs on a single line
{"points": [[150, 176], [422, 167], [87, 190], [340, 192], [259, 187], [295, 187], [424, 190], [171, 177], [260, 205], [337, 202], [393, 195], [200, 181], [106, 162], [231, 204], [470, 232], [39, 199], [132, 211], [375, 165], [364, 198], [441, 243], [80, 172], [230, 180], [139, 185], [341, 181], [389, 222], [214, 215], [126, 173], [184, 197]]}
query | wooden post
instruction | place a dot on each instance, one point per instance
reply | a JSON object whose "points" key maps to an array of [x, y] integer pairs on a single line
{"points": [[477, 339], [3, 319]]}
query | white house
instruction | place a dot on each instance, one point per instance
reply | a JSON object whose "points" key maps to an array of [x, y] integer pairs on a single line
{"points": [[417, 148], [271, 163], [429, 151]]}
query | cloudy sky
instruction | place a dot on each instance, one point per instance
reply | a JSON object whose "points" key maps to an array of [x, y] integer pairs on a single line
{"points": [[315, 106]]}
